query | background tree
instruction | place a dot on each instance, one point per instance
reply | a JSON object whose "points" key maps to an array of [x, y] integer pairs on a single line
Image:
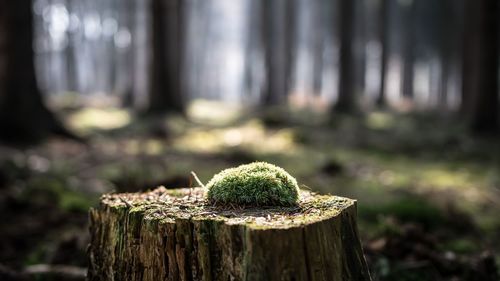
{"points": [[408, 54], [23, 114], [278, 21], [252, 48], [480, 69], [346, 94], [165, 93], [446, 36], [384, 48], [71, 65], [319, 14]]}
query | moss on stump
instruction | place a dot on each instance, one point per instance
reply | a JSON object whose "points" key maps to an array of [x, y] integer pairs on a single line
{"points": [[180, 235], [254, 184]]}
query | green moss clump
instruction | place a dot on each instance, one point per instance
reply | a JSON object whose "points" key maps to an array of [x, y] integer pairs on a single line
{"points": [[255, 184]]}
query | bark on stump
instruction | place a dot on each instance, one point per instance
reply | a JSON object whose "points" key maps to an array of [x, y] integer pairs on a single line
{"points": [[176, 235]]}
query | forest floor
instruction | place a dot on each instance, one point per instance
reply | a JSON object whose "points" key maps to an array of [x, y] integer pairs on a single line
{"points": [[428, 194]]}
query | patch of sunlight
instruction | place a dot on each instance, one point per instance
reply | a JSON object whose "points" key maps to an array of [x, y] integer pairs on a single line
{"points": [[446, 178], [280, 141], [251, 135], [132, 147], [199, 141], [176, 124], [380, 120], [213, 112], [153, 147], [467, 183], [143, 146], [392, 179], [431, 178], [89, 119]]}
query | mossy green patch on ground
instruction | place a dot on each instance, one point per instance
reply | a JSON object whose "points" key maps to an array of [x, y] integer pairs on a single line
{"points": [[44, 191], [255, 184], [405, 209]]}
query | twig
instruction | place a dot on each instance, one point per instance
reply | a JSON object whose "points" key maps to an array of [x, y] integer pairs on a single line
{"points": [[190, 186], [126, 203], [197, 179]]}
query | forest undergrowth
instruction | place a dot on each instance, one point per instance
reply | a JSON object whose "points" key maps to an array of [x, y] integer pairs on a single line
{"points": [[428, 194]]}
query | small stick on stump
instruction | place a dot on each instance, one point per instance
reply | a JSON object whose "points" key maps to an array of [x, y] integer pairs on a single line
{"points": [[168, 235]]}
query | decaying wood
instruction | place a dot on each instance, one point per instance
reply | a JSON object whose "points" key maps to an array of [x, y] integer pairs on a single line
{"points": [[176, 235]]}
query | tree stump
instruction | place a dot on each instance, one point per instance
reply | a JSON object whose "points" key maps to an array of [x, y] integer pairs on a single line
{"points": [[177, 235]]}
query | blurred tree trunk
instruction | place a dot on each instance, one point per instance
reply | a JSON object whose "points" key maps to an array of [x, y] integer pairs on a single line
{"points": [[359, 45], [277, 31], [128, 59], [408, 48], [384, 46], [70, 53], [447, 47], [251, 49], [165, 94], [480, 69], [137, 97], [445, 55], [23, 115], [318, 45], [346, 102]]}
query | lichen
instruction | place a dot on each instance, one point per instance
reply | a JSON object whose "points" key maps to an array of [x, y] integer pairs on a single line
{"points": [[255, 184]]}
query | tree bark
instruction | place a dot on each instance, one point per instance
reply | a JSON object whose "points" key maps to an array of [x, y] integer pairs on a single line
{"points": [[175, 235], [346, 102], [480, 99], [23, 114], [166, 62]]}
